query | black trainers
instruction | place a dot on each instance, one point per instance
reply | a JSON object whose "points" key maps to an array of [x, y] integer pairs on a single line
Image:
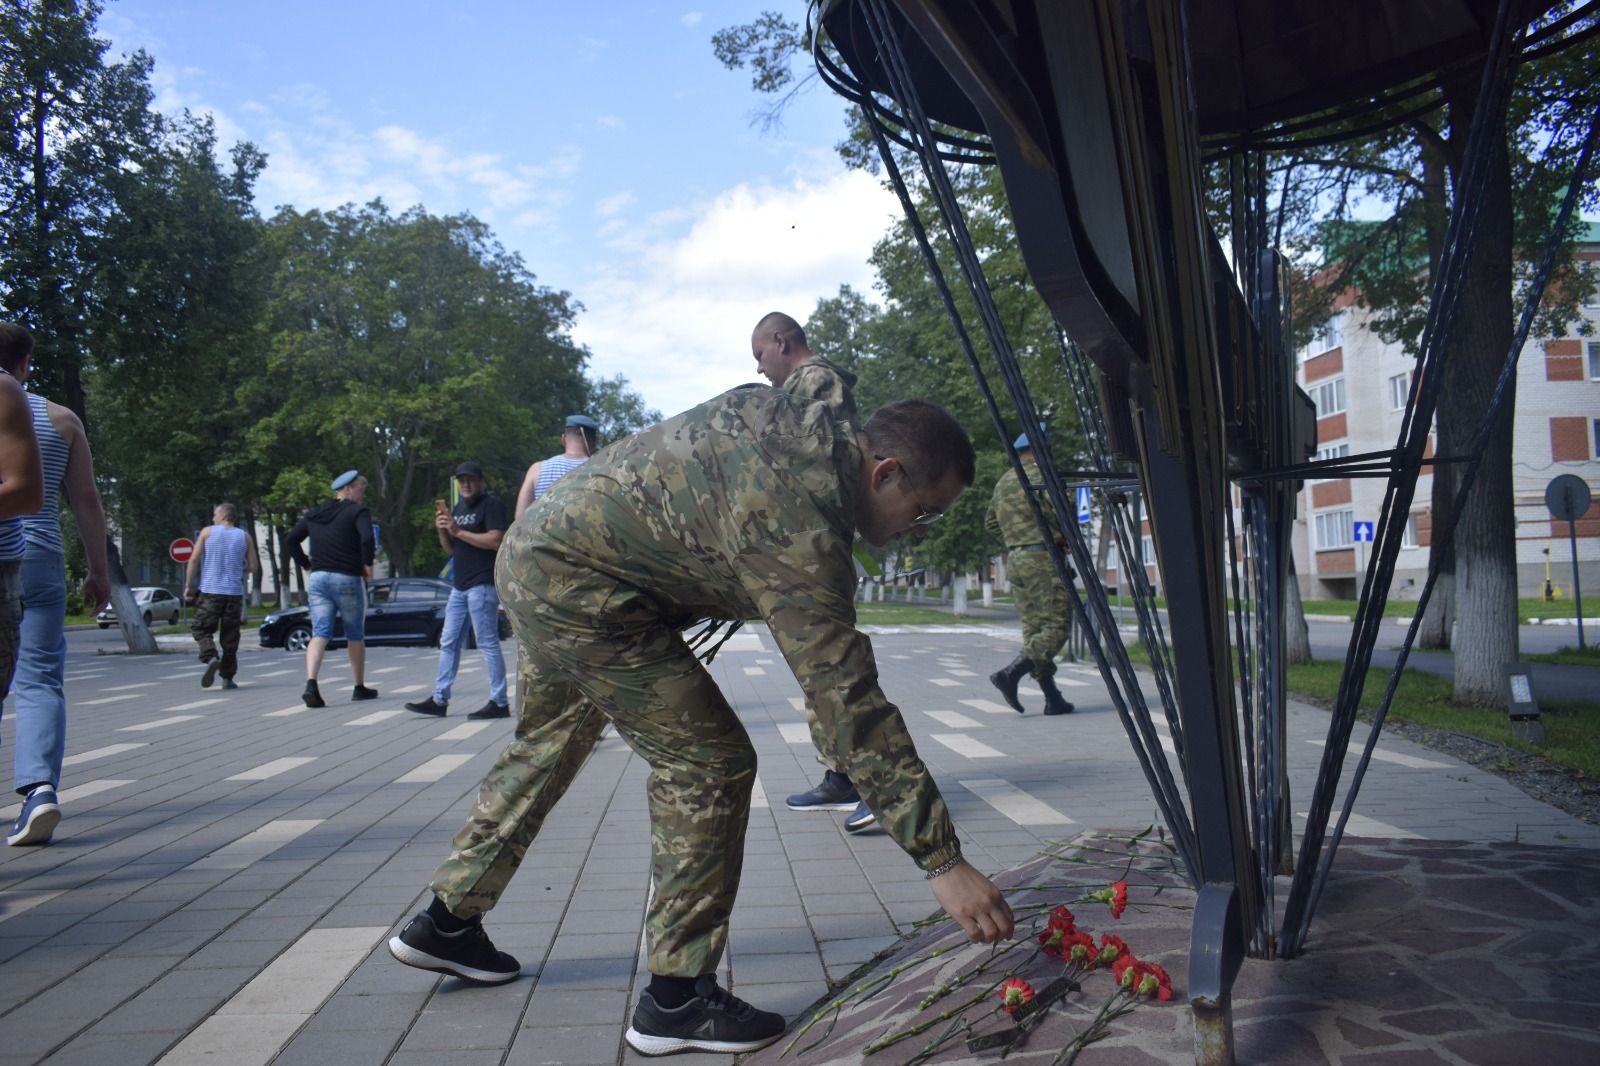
{"points": [[714, 1020], [836, 793], [229, 683], [312, 695], [211, 673], [860, 819], [429, 706], [491, 710], [468, 954], [362, 692]]}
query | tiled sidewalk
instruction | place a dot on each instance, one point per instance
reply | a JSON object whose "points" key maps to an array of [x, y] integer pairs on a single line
{"points": [[229, 868]]}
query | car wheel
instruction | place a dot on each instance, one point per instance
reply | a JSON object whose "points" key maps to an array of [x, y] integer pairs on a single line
{"points": [[174, 619], [297, 638], [436, 635], [105, 625], [147, 618]]}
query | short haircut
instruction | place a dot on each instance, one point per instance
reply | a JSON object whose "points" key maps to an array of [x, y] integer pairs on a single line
{"points": [[778, 322], [16, 345], [591, 438], [229, 511], [925, 437]]}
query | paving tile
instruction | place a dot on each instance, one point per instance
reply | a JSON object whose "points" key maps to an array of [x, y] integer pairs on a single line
{"points": [[565, 1045]]}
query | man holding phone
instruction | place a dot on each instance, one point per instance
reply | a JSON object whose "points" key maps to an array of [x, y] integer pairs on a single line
{"points": [[471, 534]]}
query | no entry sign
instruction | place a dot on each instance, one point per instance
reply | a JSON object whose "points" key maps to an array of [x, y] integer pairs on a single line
{"points": [[181, 549]]}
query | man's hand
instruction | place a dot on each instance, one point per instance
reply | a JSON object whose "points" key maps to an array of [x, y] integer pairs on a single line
{"points": [[96, 592], [447, 523], [975, 903]]}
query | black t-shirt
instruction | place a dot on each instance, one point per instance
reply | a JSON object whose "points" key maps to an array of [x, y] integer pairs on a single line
{"points": [[481, 514]]}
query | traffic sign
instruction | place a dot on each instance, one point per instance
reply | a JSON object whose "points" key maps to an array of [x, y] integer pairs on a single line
{"points": [[1363, 531], [181, 549], [1084, 513], [1567, 496]]}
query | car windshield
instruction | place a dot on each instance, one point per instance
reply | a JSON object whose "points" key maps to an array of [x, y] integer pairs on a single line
{"points": [[143, 595]]}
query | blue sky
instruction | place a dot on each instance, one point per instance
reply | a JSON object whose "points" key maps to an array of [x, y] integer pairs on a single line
{"points": [[602, 141]]}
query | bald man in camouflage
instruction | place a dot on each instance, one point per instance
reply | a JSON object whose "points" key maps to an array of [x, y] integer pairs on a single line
{"points": [[744, 506], [1041, 599], [784, 358]]}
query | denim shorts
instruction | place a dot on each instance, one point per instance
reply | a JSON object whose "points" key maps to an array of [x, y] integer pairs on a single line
{"points": [[328, 592]]}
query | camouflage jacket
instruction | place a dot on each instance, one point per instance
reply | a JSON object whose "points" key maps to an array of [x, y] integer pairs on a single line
{"points": [[745, 507], [829, 383], [1010, 520]]}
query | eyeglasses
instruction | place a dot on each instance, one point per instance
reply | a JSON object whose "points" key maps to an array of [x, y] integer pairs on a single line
{"points": [[929, 515]]}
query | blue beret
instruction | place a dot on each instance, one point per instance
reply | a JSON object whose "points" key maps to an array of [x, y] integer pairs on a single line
{"points": [[344, 479], [582, 422], [1022, 440]]}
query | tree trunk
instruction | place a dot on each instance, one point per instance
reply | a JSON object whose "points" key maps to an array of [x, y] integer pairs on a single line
{"points": [[129, 620], [1486, 551], [960, 607], [1297, 635]]}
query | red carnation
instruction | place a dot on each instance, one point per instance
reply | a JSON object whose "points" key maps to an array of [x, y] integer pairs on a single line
{"points": [[1015, 993], [1112, 948], [1079, 948], [1119, 898], [1061, 918]]}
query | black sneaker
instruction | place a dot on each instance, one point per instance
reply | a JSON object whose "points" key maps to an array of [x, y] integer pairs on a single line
{"points": [[362, 692], [312, 695], [429, 706], [468, 954], [714, 1020], [836, 793], [211, 673], [860, 819], [229, 683], [491, 710]]}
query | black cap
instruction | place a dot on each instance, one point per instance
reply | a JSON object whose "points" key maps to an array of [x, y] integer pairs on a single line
{"points": [[470, 469]]}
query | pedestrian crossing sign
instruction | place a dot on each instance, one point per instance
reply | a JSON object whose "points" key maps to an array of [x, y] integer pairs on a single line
{"points": [[1083, 503]]}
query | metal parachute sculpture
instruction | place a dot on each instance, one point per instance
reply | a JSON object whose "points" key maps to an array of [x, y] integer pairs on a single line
{"points": [[1101, 115]]}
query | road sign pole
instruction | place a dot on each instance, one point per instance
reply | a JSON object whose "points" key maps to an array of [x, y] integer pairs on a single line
{"points": [[1577, 593]]}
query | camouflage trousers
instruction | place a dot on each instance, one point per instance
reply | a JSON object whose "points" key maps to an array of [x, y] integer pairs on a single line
{"points": [[1046, 611], [10, 622], [575, 673], [213, 613]]}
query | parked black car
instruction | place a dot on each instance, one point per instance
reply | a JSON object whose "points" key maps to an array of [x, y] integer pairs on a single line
{"points": [[400, 610]]}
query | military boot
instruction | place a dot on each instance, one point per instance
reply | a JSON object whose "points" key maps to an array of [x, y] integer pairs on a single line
{"points": [[1006, 678], [1054, 702]]}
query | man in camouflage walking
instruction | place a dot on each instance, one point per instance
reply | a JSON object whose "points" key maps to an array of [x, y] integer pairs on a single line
{"points": [[1041, 598], [744, 506]]}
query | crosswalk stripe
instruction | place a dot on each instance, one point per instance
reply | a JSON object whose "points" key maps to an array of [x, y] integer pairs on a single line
{"points": [[254, 1025], [256, 844], [124, 688], [375, 717], [464, 731], [1397, 758], [404, 690], [953, 720], [159, 723], [100, 753], [108, 699], [755, 671], [960, 673], [944, 682], [287, 711], [276, 673], [987, 706], [389, 670], [797, 702], [432, 770], [1362, 826], [197, 704], [970, 747], [272, 769], [69, 795], [795, 732], [1014, 803]]}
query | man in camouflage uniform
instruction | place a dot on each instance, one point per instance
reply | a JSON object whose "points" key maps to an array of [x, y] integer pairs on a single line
{"points": [[1041, 598], [784, 358], [744, 506]]}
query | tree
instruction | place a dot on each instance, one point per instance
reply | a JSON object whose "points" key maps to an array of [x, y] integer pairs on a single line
{"points": [[401, 345]]}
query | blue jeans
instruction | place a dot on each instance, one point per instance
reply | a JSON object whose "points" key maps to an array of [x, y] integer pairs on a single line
{"points": [[481, 605], [41, 703], [328, 592]]}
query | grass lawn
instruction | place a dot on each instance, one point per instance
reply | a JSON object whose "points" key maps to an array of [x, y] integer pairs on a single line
{"points": [[1589, 656], [1533, 607], [910, 614]]}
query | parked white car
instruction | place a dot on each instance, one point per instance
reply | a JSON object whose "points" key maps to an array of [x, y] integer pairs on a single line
{"points": [[155, 603]]}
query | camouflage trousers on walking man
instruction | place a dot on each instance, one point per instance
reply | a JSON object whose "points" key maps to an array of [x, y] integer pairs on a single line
{"points": [[211, 614], [637, 673]]}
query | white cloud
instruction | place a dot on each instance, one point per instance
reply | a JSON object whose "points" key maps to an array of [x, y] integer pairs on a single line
{"points": [[614, 205], [692, 18], [611, 122], [676, 319]]}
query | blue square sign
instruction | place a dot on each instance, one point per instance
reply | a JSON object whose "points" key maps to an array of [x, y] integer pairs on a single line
{"points": [[1363, 531]]}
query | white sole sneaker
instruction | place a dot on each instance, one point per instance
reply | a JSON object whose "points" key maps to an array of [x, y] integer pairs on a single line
{"points": [[645, 1044], [39, 828], [411, 956]]}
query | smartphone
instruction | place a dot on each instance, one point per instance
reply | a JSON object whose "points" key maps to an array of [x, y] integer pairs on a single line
{"points": [[440, 508]]}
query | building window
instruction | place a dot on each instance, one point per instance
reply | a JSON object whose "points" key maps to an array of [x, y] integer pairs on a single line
{"points": [[1111, 557], [1335, 529], [1594, 361], [1399, 389], [1328, 396], [1332, 451], [1408, 539], [1147, 548], [1328, 336]]}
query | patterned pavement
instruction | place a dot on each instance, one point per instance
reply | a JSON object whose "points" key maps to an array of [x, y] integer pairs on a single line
{"points": [[229, 867]]}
